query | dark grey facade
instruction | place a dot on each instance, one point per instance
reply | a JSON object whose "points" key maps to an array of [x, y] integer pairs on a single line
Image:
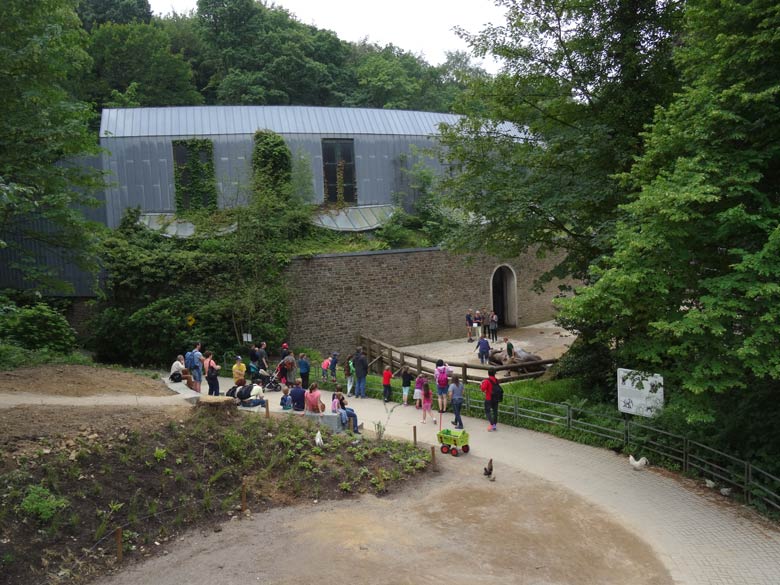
{"points": [[139, 153]]}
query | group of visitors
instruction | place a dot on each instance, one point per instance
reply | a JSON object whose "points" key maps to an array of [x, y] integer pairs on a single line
{"points": [[193, 367], [481, 324], [301, 396]]}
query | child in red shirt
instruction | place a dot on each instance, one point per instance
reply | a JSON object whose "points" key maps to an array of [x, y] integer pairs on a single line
{"points": [[386, 390]]}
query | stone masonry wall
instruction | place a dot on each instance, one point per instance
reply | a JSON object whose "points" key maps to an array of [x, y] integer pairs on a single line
{"points": [[402, 297]]}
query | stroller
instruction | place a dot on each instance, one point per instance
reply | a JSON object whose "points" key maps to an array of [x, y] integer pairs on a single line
{"points": [[259, 376]]}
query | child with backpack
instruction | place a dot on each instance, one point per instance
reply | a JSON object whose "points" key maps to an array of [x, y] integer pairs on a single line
{"points": [[441, 375], [494, 394], [325, 367], [427, 402]]}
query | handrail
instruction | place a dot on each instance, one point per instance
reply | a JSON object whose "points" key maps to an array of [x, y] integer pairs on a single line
{"points": [[369, 343]]}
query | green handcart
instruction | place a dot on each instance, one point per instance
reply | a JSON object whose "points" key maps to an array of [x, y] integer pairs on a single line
{"points": [[453, 441]]}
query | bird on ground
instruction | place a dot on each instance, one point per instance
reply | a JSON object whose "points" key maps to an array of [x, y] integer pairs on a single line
{"points": [[637, 465], [318, 439], [725, 492], [710, 484], [489, 469]]}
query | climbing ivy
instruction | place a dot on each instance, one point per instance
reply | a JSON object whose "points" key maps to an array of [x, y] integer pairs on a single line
{"points": [[195, 178], [271, 161]]}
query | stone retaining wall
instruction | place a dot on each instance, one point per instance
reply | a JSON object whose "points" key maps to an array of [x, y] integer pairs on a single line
{"points": [[402, 297]]}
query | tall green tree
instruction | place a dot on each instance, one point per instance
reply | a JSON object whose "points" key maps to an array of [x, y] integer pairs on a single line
{"points": [[96, 12], [534, 158], [138, 53], [41, 128], [692, 289]]}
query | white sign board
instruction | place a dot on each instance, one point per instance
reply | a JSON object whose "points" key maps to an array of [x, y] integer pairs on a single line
{"points": [[247, 337], [639, 392]]}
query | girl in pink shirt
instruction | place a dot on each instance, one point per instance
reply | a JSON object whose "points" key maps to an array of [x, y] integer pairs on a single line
{"points": [[427, 402]]}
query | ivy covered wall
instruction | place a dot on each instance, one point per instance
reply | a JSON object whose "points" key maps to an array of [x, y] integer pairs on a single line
{"points": [[193, 173]]}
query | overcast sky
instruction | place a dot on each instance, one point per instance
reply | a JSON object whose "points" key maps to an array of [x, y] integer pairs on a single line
{"points": [[420, 26]]}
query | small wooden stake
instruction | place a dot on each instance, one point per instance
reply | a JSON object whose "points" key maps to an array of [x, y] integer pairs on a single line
{"points": [[267, 411], [243, 494], [433, 458], [118, 535], [414, 432]]}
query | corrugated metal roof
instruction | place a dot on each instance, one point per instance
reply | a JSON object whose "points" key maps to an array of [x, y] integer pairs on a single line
{"points": [[210, 120], [354, 219]]}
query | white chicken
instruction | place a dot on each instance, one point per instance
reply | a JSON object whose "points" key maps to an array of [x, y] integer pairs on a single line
{"points": [[710, 484], [637, 465], [318, 439], [725, 492]]}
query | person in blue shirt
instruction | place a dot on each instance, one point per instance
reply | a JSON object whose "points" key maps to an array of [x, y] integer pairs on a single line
{"points": [[304, 367], [298, 396], [483, 345]]}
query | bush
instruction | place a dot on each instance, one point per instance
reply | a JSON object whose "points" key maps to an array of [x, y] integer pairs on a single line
{"points": [[38, 327]]}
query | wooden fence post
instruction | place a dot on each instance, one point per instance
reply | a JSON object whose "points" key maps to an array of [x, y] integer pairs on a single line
{"points": [[119, 551], [243, 495], [267, 410], [419, 365], [414, 434], [433, 458]]}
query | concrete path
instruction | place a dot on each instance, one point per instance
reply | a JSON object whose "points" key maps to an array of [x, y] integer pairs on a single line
{"points": [[700, 538]]}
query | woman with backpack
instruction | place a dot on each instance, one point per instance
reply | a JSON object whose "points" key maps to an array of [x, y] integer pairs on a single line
{"points": [[211, 369], [441, 374]]}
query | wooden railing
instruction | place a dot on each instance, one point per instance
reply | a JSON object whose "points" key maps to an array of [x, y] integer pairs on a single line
{"points": [[382, 354]]}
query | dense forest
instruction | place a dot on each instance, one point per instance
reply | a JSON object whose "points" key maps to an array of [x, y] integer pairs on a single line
{"points": [[245, 52]]}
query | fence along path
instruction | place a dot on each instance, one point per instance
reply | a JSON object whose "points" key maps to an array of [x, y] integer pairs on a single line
{"points": [[749, 483]]}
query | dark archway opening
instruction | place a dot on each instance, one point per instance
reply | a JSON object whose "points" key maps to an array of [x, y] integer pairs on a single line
{"points": [[503, 286]]}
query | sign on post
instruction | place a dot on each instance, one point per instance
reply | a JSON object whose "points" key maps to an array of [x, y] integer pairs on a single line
{"points": [[247, 337], [639, 392]]}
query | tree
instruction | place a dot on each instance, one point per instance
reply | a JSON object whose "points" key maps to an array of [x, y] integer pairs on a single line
{"points": [[534, 158], [96, 12], [691, 289], [41, 128], [139, 53]]}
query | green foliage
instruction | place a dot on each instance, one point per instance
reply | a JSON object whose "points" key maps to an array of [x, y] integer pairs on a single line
{"points": [[41, 504], [137, 53], [535, 157], [37, 327], [691, 289], [271, 161], [196, 185], [41, 44], [96, 12]]}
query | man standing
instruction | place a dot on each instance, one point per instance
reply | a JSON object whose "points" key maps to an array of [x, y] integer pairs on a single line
{"points": [[360, 362], [493, 395], [483, 346], [469, 326], [196, 366], [262, 356]]}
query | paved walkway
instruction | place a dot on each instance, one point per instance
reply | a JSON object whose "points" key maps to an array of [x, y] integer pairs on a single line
{"points": [[699, 538]]}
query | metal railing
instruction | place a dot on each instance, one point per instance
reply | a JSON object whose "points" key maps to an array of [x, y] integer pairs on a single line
{"points": [[754, 485]]}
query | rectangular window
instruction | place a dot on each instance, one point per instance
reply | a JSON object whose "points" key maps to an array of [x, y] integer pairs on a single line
{"points": [[338, 160], [180, 157]]}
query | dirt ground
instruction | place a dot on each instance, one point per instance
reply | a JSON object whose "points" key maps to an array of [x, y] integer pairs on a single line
{"points": [[455, 527], [70, 380]]}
